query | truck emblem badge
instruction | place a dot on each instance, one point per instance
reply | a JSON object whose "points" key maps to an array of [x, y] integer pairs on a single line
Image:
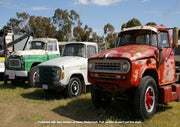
{"points": [[106, 55]]}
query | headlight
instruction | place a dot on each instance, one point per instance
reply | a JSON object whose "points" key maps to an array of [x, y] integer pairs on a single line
{"points": [[91, 65], [57, 73], [125, 66]]}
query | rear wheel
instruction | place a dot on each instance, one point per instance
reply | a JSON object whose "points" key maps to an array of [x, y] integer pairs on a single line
{"points": [[146, 97], [100, 99], [33, 76]]}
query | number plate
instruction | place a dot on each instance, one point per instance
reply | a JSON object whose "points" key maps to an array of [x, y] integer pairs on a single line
{"points": [[12, 76], [45, 87]]}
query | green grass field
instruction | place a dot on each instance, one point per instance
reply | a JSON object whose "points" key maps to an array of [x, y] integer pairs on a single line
{"points": [[23, 106]]}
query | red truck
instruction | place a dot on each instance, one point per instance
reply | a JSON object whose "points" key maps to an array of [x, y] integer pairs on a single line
{"points": [[142, 69]]}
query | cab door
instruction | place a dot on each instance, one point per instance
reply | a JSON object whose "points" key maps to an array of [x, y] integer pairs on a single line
{"points": [[166, 68]]}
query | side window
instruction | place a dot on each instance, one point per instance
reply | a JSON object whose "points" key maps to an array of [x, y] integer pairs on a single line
{"points": [[163, 40], [52, 46], [91, 50]]}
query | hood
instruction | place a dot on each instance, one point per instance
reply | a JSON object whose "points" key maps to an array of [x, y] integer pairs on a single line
{"points": [[131, 52], [29, 52], [66, 61]]}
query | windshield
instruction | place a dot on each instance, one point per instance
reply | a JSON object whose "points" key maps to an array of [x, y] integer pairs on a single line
{"points": [[37, 45], [74, 50], [140, 37]]}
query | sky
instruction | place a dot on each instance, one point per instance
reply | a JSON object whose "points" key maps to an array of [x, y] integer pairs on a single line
{"points": [[97, 13]]}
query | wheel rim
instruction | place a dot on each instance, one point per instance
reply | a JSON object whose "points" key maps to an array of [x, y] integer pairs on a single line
{"points": [[75, 88], [149, 99], [34, 77]]}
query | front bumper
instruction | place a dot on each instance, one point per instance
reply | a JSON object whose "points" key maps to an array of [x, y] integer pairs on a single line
{"points": [[17, 73], [54, 86]]}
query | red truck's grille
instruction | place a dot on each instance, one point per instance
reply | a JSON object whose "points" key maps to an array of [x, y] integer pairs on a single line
{"points": [[109, 65]]}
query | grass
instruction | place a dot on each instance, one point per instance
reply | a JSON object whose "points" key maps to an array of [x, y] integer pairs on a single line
{"points": [[22, 106]]}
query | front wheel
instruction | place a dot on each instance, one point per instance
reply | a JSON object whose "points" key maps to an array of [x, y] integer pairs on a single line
{"points": [[146, 97], [100, 99], [74, 87], [33, 76]]}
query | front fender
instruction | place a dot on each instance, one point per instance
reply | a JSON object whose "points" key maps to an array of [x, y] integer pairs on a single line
{"points": [[139, 67], [70, 73]]}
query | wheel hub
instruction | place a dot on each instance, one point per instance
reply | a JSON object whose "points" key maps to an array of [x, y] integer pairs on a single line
{"points": [[149, 99], [35, 77], [75, 88]]}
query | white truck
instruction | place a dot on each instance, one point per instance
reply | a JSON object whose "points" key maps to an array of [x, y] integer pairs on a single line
{"points": [[69, 72]]}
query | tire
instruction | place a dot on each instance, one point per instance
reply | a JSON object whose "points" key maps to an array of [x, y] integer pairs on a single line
{"points": [[99, 99], [74, 87], [146, 98], [33, 76], [17, 81]]}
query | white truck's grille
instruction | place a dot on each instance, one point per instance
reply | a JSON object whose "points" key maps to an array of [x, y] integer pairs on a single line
{"points": [[14, 63]]}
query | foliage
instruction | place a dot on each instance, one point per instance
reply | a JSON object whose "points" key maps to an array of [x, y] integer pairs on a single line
{"points": [[151, 23], [131, 23], [81, 34], [108, 28], [42, 26], [96, 38], [19, 24], [111, 36], [64, 21]]}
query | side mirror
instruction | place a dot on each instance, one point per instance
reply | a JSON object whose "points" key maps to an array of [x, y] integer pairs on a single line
{"points": [[175, 37]]}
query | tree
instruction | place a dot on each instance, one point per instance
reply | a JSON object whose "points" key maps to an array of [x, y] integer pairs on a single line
{"points": [[15, 25], [81, 34], [21, 23], [64, 21], [78, 33], [150, 23], [111, 36], [131, 23], [124, 26], [96, 38], [43, 26], [108, 28]]}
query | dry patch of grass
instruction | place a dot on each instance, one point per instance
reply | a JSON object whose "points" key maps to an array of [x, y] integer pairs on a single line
{"points": [[22, 106]]}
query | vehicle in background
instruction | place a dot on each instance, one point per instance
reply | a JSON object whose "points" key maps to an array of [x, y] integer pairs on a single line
{"points": [[10, 43], [8, 38], [22, 65]]}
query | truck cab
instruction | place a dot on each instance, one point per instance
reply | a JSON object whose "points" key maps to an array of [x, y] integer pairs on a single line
{"points": [[22, 65], [69, 72], [141, 69]]}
